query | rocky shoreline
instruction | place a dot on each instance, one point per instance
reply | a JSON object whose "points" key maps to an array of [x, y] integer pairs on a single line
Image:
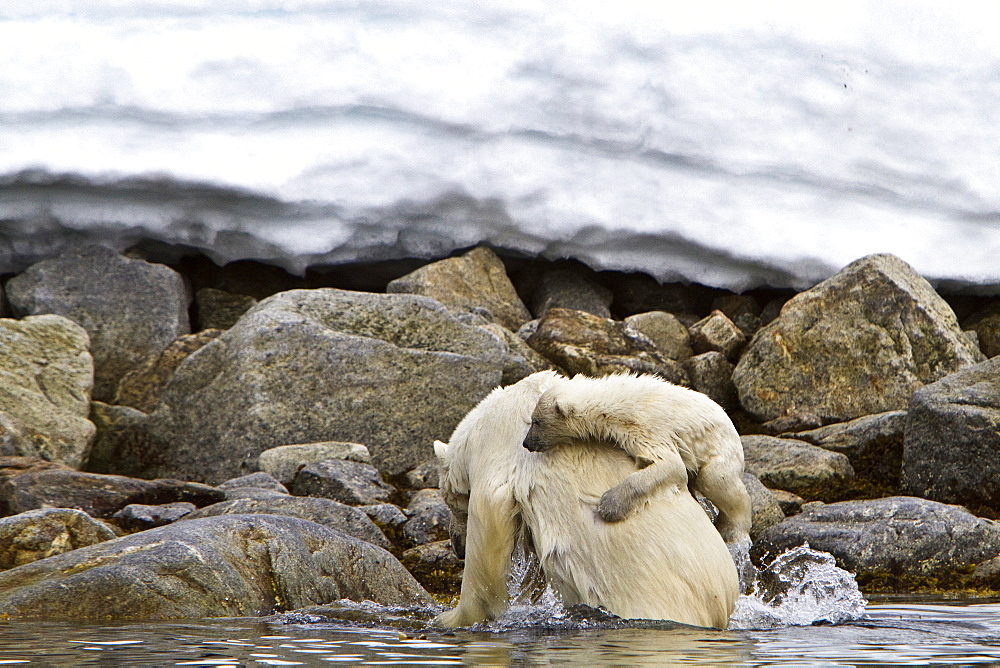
{"points": [[193, 440]]}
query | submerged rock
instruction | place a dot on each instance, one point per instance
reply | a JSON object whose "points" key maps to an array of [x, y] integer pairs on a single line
{"points": [[231, 566], [39, 534], [132, 309], [46, 375], [856, 344], [898, 536]]}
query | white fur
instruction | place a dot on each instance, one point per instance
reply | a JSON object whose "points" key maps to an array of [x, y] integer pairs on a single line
{"points": [[667, 429], [665, 562]]}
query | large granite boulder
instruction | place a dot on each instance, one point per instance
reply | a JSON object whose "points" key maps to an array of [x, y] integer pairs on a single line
{"points": [[476, 280], [39, 534], [581, 342], [141, 387], [394, 372], [95, 494], [858, 343], [896, 536], [132, 309], [951, 451], [46, 375], [228, 566], [873, 444]]}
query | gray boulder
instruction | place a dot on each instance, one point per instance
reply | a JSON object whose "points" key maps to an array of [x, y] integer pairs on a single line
{"points": [[141, 387], [671, 337], [766, 511], [95, 494], [140, 517], [394, 372], [570, 289], [253, 486], [43, 533], [901, 536], [218, 309], [131, 309], [348, 482], [712, 374], [476, 280], [429, 518], [717, 333], [46, 374], [331, 514], [520, 359], [873, 444], [793, 465], [230, 566], [952, 446], [581, 342], [285, 461], [858, 343]]}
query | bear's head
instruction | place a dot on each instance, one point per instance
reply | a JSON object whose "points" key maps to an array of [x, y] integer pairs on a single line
{"points": [[547, 424]]}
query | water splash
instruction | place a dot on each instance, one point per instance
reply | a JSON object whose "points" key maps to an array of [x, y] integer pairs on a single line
{"points": [[802, 586]]}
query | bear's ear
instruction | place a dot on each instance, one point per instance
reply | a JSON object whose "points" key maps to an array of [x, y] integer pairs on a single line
{"points": [[441, 449], [561, 411]]}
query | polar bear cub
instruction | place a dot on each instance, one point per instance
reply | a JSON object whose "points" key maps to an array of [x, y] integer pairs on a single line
{"points": [[664, 427]]}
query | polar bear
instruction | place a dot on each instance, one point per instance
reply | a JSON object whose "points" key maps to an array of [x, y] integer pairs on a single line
{"points": [[666, 561], [664, 427]]}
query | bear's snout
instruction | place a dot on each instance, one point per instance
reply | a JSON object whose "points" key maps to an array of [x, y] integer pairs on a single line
{"points": [[534, 441]]}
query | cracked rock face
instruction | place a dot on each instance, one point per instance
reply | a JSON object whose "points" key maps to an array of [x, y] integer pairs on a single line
{"points": [[858, 343]]}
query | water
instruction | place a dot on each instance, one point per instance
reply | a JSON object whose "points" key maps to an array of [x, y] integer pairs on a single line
{"points": [[889, 632], [801, 610]]}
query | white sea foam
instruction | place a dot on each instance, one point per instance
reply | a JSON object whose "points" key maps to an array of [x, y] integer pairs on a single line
{"points": [[735, 146]]}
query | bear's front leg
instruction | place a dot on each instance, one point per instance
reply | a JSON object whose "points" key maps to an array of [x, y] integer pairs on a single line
{"points": [[625, 498]]}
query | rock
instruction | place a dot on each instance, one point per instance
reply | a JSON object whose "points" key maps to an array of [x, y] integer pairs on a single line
{"points": [[394, 372], [858, 343], [253, 486], [285, 461], [793, 465], [15, 465], [736, 306], [435, 566], [570, 289], [952, 445], [580, 342], [131, 309], [218, 309], [424, 476], [384, 515], [95, 494], [230, 566], [638, 293], [477, 279], [986, 324], [873, 444], [140, 517], [900, 536], [765, 508], [119, 429], [348, 482], [671, 338], [790, 503], [520, 360], [717, 333], [429, 518], [46, 375], [38, 534], [351, 521], [712, 374], [141, 388]]}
